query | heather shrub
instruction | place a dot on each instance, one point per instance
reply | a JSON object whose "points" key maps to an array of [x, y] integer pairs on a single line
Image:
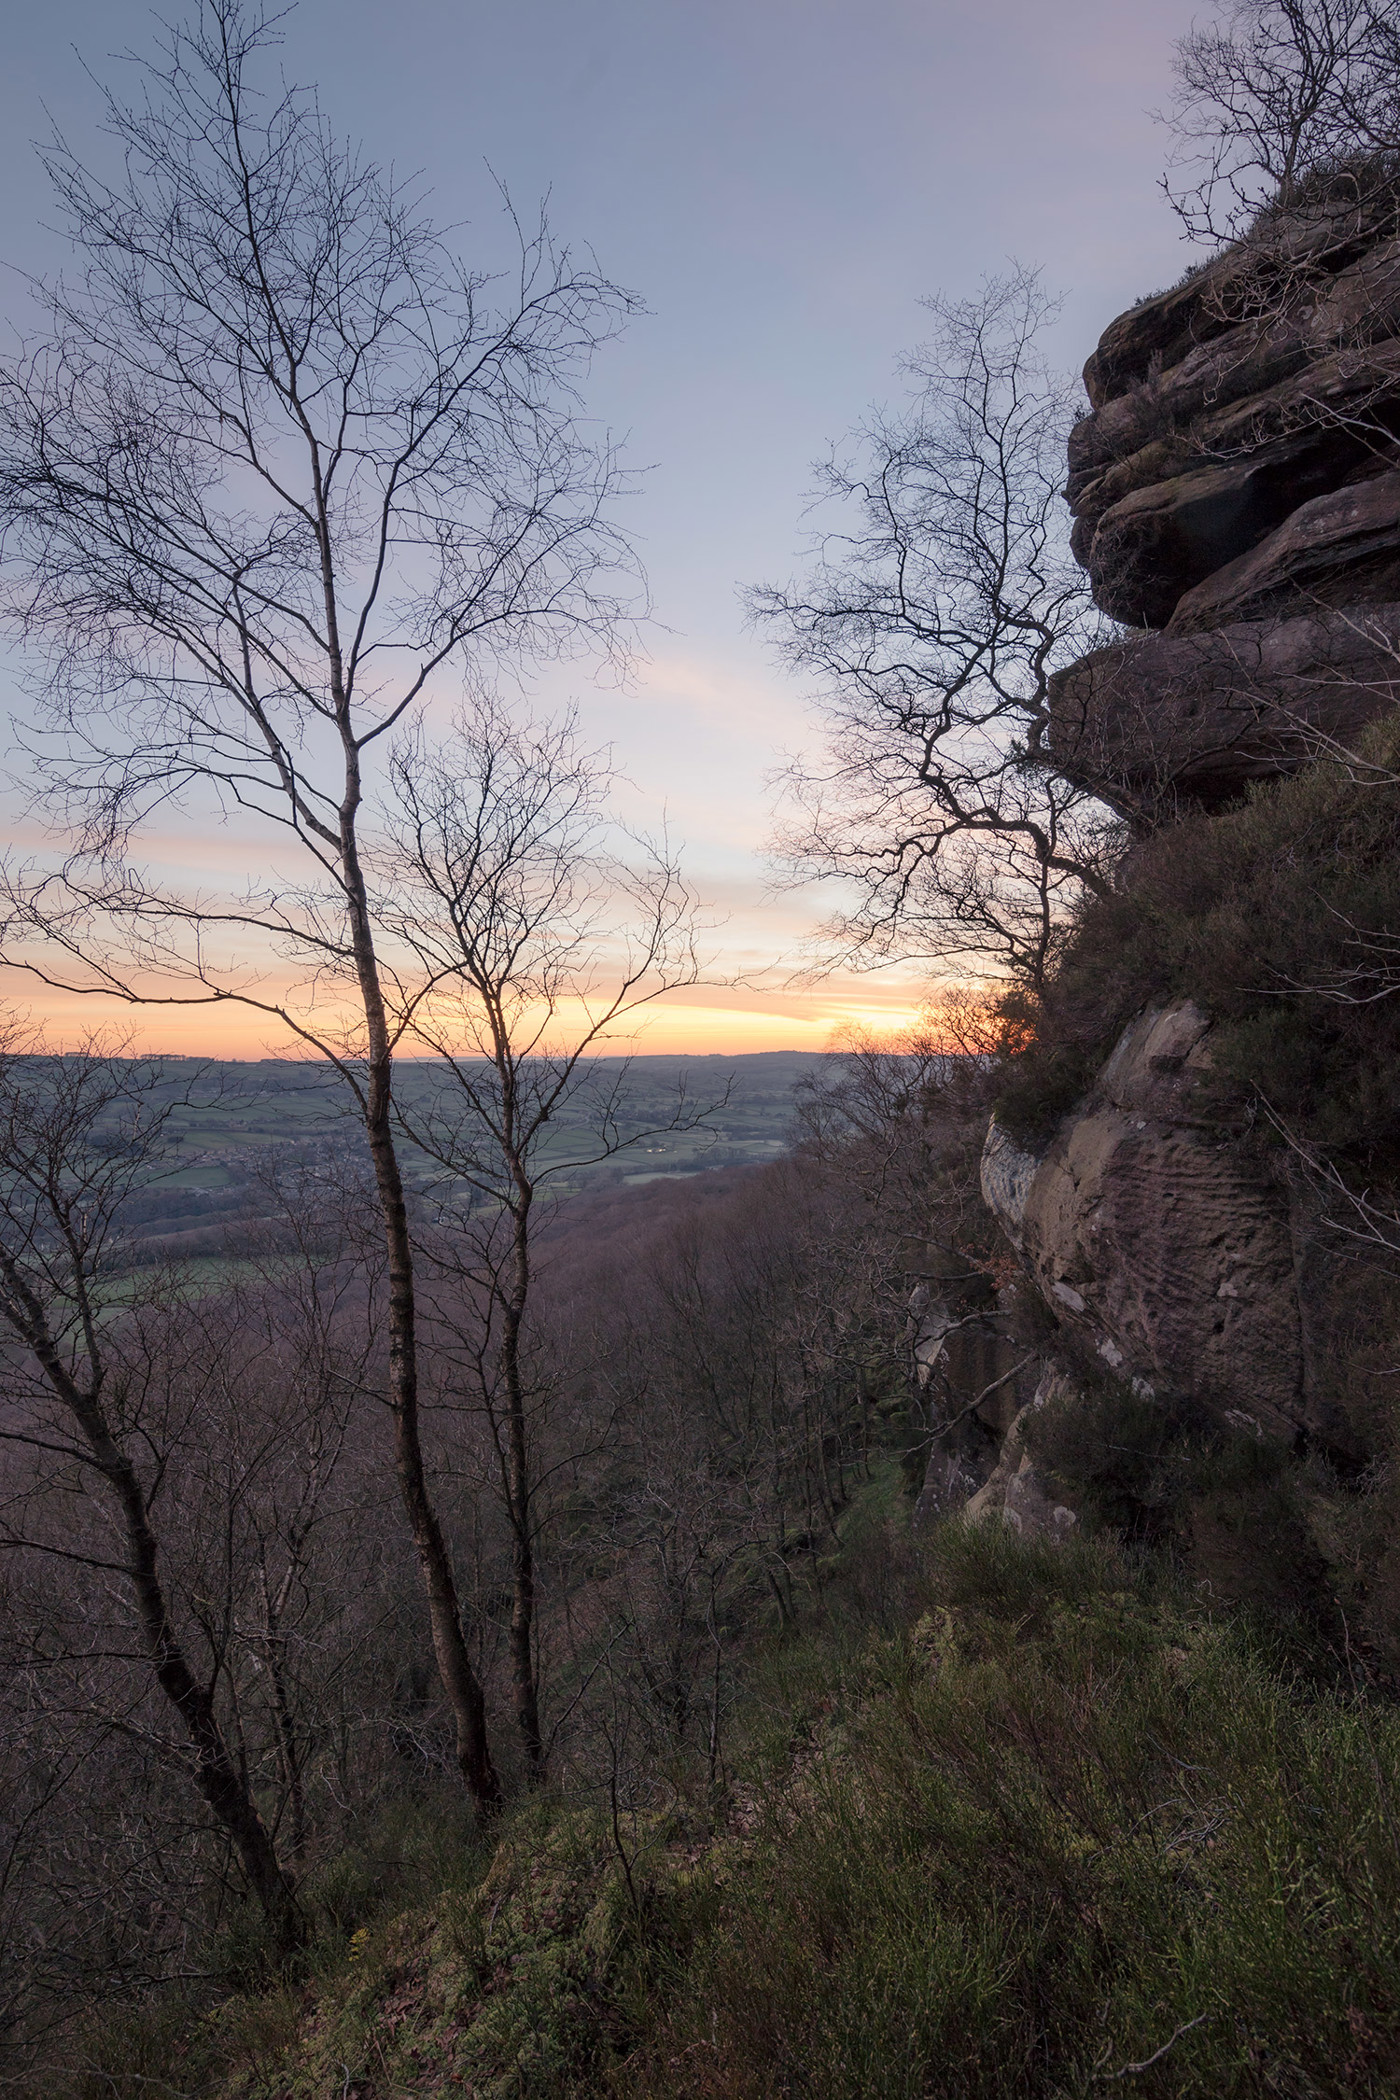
{"points": [[1274, 917]]}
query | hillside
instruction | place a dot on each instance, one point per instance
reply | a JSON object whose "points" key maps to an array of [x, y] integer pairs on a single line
{"points": [[1001, 1818], [871, 1575]]}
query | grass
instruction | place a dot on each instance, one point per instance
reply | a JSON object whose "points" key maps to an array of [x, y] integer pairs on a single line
{"points": [[192, 1277], [1003, 1819], [1057, 1823]]}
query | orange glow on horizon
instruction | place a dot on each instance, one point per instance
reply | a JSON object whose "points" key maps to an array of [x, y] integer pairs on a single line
{"points": [[700, 1023]]}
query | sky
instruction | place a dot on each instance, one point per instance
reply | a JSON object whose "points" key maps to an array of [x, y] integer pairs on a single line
{"points": [[782, 181]]}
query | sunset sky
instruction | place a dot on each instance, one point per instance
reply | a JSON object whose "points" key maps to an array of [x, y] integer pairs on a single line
{"points": [[781, 180]]}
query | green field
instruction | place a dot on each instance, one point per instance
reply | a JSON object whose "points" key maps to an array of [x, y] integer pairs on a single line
{"points": [[234, 1113], [206, 1207]]}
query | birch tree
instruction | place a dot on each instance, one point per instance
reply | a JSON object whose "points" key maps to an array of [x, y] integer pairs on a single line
{"points": [[283, 463]]}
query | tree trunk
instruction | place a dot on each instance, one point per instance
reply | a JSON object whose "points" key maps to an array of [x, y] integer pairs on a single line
{"points": [[460, 1683], [524, 1685], [214, 1770], [461, 1686], [288, 1750]]}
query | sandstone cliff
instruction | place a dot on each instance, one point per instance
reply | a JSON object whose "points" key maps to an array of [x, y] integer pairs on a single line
{"points": [[1166, 1250], [1172, 1257], [1236, 494]]}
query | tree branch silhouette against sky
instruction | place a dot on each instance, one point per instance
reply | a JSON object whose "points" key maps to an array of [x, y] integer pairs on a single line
{"points": [[782, 184]]}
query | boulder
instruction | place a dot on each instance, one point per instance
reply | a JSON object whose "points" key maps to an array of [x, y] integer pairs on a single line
{"points": [[1016, 1492], [1162, 539], [1335, 416], [1164, 1248], [1165, 719], [1242, 361]]}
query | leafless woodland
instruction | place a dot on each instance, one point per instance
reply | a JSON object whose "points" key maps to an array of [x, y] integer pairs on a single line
{"points": [[457, 1489], [708, 1366]]}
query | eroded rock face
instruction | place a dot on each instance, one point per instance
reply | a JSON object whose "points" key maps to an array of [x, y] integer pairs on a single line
{"points": [[1269, 377], [1215, 354], [1169, 536], [1165, 1250], [1347, 543], [1183, 717], [1238, 483]]}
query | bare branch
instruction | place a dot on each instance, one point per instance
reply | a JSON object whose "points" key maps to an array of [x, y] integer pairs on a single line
{"points": [[933, 622]]}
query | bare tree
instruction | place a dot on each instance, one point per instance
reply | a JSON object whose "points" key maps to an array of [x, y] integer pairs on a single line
{"points": [[77, 1134], [283, 461], [1274, 93], [902, 1119], [933, 622], [541, 941]]}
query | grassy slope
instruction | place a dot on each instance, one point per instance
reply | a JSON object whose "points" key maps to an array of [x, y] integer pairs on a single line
{"points": [[1005, 1819]]}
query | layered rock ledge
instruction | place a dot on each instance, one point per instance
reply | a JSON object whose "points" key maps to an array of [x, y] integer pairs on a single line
{"points": [[1165, 719], [1236, 494]]}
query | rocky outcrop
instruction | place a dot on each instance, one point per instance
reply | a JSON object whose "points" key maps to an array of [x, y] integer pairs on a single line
{"points": [[1236, 492], [1347, 543], [1224, 327], [1163, 719], [1166, 538], [973, 1378], [1168, 1251], [1237, 484]]}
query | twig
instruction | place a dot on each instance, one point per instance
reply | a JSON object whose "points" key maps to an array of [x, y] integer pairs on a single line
{"points": [[1131, 2070], [942, 1428]]}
